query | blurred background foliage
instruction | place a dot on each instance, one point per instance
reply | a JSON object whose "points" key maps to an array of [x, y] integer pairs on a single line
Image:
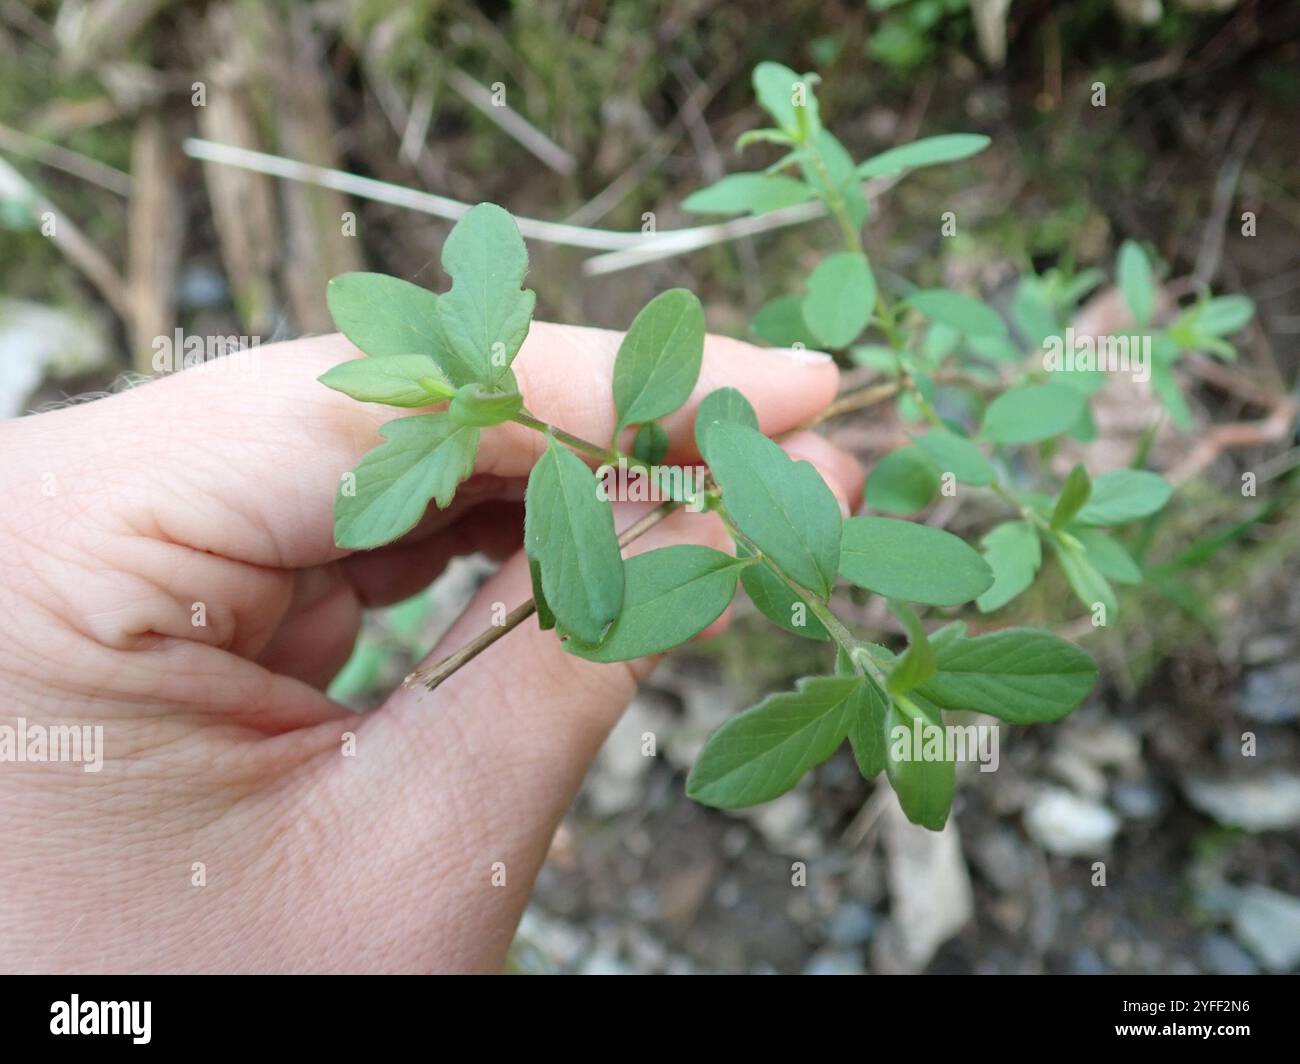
{"points": [[615, 111]]}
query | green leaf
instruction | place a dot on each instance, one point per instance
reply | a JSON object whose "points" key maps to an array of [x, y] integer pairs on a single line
{"points": [[671, 594], [722, 404], [763, 136], [1087, 583], [828, 168], [1124, 495], [1165, 385], [780, 322], [957, 455], [1074, 493], [476, 405], [361, 674], [902, 482], [940, 341], [918, 662], [876, 356], [1221, 316], [748, 194], [916, 563], [485, 315], [1014, 553], [928, 151], [765, 751], [774, 599], [841, 297], [1135, 281], [1033, 312], [1032, 413], [569, 531], [784, 506], [425, 457], [545, 618], [1020, 675], [385, 315], [776, 87], [651, 443], [968, 316], [923, 781], [1108, 556], [398, 380], [867, 730], [659, 359], [994, 348]]}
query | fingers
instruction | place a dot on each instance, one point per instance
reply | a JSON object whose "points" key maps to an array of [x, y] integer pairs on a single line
{"points": [[319, 631], [496, 754], [565, 373], [244, 461], [469, 782], [843, 473]]}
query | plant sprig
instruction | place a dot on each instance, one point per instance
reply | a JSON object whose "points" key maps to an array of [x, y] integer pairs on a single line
{"points": [[793, 546]]}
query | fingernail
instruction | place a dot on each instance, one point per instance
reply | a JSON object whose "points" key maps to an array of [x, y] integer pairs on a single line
{"points": [[805, 355]]}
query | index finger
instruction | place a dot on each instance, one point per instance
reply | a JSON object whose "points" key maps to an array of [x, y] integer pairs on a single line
{"points": [[246, 461]]}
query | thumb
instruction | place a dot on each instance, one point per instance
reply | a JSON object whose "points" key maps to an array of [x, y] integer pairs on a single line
{"points": [[477, 774]]}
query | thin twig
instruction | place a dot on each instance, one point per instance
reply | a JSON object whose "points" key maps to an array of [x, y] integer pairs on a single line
{"points": [[512, 122], [857, 399], [1225, 188], [431, 678], [633, 249], [65, 159], [79, 248]]}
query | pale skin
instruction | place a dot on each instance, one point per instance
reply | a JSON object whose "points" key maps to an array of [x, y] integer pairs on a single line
{"points": [[216, 486]]}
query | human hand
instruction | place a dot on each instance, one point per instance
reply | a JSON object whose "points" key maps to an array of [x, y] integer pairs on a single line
{"points": [[216, 487]]}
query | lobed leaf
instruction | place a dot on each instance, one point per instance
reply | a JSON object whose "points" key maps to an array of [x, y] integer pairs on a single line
{"points": [[485, 315], [425, 457]]}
